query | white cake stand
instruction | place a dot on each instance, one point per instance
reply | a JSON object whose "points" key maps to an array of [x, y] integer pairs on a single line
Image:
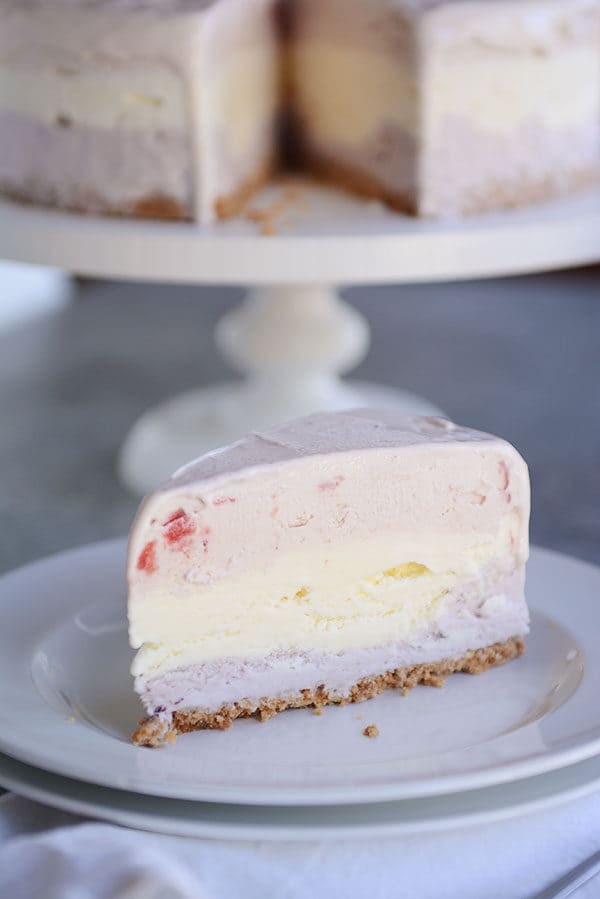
{"points": [[293, 336]]}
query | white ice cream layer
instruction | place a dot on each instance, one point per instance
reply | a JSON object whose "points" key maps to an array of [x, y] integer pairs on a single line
{"points": [[118, 97]]}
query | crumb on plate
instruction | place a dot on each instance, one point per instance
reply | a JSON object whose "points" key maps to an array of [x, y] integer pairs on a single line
{"points": [[371, 731]]}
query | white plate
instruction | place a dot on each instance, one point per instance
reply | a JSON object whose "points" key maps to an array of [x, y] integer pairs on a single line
{"points": [[335, 822], [330, 238], [67, 705]]}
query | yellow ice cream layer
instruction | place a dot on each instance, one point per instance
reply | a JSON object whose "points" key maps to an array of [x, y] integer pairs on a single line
{"points": [[389, 605], [128, 97], [346, 94]]}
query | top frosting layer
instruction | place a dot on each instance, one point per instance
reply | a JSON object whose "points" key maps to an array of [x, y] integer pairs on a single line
{"points": [[323, 434]]}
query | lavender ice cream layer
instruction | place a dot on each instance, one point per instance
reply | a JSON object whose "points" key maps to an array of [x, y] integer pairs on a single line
{"points": [[93, 169], [468, 619], [468, 169]]}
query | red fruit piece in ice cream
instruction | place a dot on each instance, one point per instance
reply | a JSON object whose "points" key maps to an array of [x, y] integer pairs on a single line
{"points": [[147, 558], [178, 526]]}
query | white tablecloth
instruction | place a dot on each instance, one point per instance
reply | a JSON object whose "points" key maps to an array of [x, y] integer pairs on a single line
{"points": [[45, 854]]}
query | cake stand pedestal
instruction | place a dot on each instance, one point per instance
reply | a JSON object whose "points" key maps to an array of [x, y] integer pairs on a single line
{"points": [[293, 336], [292, 344]]}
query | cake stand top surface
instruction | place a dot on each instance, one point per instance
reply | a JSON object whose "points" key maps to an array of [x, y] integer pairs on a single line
{"points": [[318, 235]]}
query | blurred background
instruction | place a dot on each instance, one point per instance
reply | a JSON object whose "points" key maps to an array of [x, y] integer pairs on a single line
{"points": [[81, 360]]}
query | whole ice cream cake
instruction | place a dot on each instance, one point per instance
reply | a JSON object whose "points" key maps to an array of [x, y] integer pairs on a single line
{"points": [[323, 562], [175, 108]]}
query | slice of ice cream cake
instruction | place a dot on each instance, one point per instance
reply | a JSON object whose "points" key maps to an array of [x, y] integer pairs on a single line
{"points": [[322, 562]]}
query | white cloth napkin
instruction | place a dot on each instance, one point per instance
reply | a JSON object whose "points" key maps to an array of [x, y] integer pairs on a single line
{"points": [[45, 854]]}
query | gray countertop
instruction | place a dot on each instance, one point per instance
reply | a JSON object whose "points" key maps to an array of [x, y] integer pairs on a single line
{"points": [[520, 357]]}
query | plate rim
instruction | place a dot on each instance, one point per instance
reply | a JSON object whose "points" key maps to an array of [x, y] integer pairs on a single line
{"points": [[504, 773]]}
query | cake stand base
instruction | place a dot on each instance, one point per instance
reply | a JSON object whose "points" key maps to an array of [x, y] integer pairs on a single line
{"points": [[292, 343]]}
